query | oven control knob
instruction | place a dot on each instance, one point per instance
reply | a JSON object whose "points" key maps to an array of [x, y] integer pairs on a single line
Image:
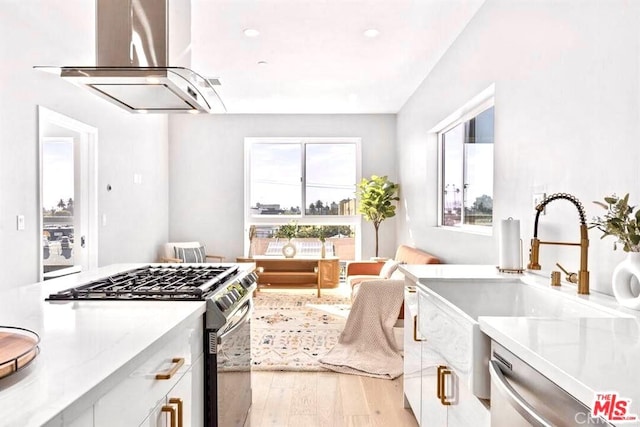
{"points": [[230, 299], [248, 280], [221, 304], [235, 294]]}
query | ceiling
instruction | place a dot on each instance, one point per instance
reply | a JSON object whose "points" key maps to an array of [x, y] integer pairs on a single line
{"points": [[317, 58]]}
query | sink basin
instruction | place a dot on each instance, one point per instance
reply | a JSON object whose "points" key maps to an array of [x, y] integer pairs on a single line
{"points": [[512, 297], [449, 312]]}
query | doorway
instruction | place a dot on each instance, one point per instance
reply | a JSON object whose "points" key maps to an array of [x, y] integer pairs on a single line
{"points": [[68, 195]]}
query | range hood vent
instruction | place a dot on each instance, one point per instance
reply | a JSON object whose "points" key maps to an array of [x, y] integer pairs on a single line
{"points": [[132, 59]]}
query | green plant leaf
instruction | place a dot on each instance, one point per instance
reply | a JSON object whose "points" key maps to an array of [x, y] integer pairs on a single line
{"points": [[601, 204], [611, 200]]}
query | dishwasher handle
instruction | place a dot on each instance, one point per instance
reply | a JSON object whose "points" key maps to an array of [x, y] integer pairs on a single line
{"points": [[514, 399]]}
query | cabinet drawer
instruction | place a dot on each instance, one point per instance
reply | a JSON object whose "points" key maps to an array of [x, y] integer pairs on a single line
{"points": [[138, 392], [287, 278]]}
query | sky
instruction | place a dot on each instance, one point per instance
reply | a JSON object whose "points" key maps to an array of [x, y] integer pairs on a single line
{"points": [[57, 172], [276, 170]]}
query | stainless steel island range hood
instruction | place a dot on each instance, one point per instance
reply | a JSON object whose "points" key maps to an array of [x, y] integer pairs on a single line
{"points": [[133, 68]]}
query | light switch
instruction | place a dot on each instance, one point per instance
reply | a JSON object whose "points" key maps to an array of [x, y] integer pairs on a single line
{"points": [[20, 222], [104, 220], [137, 178]]}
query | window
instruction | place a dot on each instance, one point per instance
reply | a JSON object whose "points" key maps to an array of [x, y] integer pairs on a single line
{"points": [[306, 182], [466, 188]]}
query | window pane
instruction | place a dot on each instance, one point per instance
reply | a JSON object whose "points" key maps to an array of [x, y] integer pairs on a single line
{"points": [[467, 190], [330, 179], [453, 175], [478, 204], [58, 174], [275, 179]]}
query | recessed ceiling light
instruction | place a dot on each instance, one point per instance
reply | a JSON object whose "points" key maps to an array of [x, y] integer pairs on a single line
{"points": [[263, 63], [251, 32], [371, 33]]}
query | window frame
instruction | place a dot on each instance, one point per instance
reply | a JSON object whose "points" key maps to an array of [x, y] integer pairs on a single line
{"points": [[477, 105], [302, 219]]}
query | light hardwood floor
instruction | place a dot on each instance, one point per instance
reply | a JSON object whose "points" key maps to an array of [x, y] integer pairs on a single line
{"points": [[326, 399]]}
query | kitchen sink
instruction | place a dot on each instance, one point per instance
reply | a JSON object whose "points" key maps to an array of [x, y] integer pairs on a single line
{"points": [[449, 312], [514, 298]]}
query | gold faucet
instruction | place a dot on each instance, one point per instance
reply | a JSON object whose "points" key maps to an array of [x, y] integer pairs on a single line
{"points": [[534, 253]]}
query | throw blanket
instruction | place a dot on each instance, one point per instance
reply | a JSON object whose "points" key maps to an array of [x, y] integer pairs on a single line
{"points": [[367, 345]]}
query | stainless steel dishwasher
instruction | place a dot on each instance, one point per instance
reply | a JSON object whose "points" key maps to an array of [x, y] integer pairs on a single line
{"points": [[522, 396]]}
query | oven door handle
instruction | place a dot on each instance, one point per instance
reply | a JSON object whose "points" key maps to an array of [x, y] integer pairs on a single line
{"points": [[239, 323]]}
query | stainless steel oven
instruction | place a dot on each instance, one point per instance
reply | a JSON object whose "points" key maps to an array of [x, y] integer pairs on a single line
{"points": [[229, 366]]}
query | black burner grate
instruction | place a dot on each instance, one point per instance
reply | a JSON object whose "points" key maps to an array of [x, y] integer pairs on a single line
{"points": [[177, 283]]}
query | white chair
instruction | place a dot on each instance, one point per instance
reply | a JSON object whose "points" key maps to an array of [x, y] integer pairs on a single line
{"points": [[186, 252]]}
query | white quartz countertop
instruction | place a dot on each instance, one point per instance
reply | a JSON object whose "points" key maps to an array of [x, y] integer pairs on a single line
{"points": [[82, 344], [584, 356]]}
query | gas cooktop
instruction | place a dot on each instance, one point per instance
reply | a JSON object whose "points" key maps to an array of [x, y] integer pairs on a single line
{"points": [[162, 282]]}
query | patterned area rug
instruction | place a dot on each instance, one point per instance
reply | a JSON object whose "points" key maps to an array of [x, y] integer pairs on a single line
{"points": [[289, 334]]}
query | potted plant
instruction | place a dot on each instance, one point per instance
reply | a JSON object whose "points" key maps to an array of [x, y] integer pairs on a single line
{"points": [[252, 235], [377, 197], [289, 231], [621, 222], [322, 238]]}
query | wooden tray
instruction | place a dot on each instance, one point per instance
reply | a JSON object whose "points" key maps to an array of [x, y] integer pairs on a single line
{"points": [[18, 347]]}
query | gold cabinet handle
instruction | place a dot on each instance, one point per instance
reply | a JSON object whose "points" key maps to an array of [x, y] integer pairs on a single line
{"points": [[178, 402], [172, 414], [415, 329], [439, 387], [177, 363], [442, 371]]}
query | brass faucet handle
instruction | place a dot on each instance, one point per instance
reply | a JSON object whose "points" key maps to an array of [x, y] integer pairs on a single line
{"points": [[555, 278], [571, 277]]}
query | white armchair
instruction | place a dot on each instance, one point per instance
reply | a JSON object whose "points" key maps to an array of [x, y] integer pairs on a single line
{"points": [[186, 252]]}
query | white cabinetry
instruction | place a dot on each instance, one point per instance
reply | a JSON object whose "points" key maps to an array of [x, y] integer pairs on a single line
{"points": [[438, 395], [170, 371]]}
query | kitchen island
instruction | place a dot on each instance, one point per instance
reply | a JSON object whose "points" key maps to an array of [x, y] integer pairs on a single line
{"points": [[582, 355], [87, 348]]}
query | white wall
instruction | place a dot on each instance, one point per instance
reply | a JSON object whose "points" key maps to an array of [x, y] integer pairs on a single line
{"points": [[61, 32], [566, 76], [207, 177]]}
